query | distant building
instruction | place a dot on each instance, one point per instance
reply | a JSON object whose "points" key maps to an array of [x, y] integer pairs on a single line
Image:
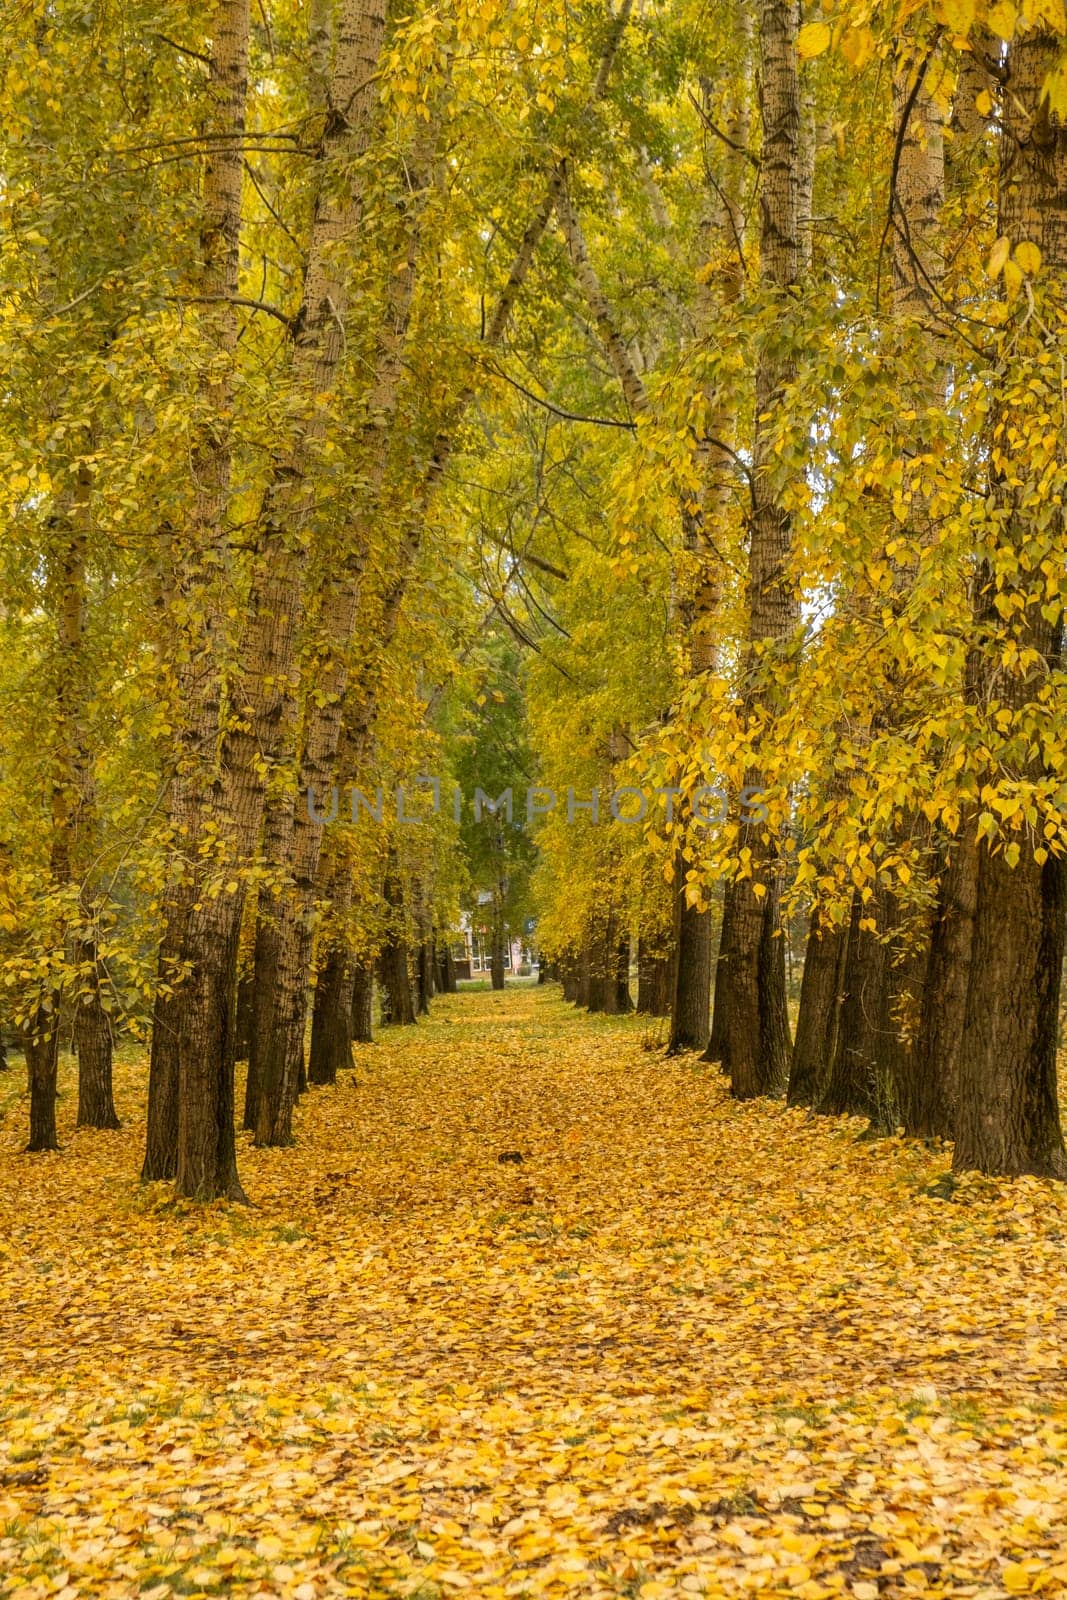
{"points": [[471, 952]]}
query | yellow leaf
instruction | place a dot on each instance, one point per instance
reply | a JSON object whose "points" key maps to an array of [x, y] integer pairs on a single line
{"points": [[857, 47], [1001, 18], [1013, 279], [957, 16], [1028, 256], [998, 256], [983, 103], [1015, 1578], [812, 40]]}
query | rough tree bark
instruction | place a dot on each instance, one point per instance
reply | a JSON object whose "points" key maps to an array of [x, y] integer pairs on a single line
{"points": [[696, 972], [821, 993], [362, 1002], [758, 1045], [1008, 1117], [199, 556], [40, 1042], [394, 962], [331, 1026]]}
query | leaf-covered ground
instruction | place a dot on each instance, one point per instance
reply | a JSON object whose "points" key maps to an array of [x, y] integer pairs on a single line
{"points": [[682, 1347]]}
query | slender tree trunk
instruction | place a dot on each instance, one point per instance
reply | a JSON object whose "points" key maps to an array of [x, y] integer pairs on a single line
{"points": [[758, 1045], [821, 993], [161, 1138], [584, 983], [75, 835], [424, 971], [617, 1002], [690, 1010], [717, 1044], [496, 958]]}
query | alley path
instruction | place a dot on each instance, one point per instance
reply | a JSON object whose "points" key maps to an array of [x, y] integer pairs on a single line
{"points": [[529, 1310]]}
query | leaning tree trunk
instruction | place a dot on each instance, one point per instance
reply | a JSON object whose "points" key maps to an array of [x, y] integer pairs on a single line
{"points": [[758, 1045], [1008, 1117]]}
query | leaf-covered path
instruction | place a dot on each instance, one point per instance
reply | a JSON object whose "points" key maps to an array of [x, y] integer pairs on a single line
{"points": [[681, 1347]]}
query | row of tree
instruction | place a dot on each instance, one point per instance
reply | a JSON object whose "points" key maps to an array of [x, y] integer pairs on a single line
{"points": [[552, 393]]}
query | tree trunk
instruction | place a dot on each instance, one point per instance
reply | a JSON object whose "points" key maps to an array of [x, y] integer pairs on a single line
{"points": [[930, 1110], [207, 1149], [331, 1020], [264, 684], [757, 1021], [200, 556], [653, 980], [1008, 1118], [617, 1002], [363, 1002], [583, 986], [40, 1041], [821, 993], [161, 1138], [92, 1040], [691, 1007], [393, 961], [861, 1079], [424, 976], [597, 967], [717, 1044]]}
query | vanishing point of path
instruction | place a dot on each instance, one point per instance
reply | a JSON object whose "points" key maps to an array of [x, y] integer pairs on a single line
{"points": [[680, 1347]]}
